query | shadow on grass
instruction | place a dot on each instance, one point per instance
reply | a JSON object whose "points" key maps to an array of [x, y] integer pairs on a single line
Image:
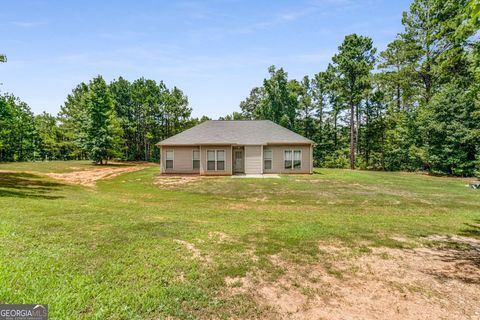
{"points": [[472, 230], [27, 185], [464, 254], [112, 165], [119, 163]]}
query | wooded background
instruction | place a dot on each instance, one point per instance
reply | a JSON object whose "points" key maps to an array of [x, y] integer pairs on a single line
{"points": [[414, 106]]}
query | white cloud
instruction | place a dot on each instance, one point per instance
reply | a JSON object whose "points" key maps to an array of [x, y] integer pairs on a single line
{"points": [[278, 19], [27, 24], [315, 57], [121, 35]]}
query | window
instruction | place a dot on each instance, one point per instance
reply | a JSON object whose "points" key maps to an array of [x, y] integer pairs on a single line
{"points": [[220, 160], [288, 159], [267, 159], [169, 159], [211, 160], [196, 159], [297, 159], [293, 159], [215, 160]]}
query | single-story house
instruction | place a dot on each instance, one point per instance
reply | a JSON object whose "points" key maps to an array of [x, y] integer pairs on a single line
{"points": [[227, 147]]}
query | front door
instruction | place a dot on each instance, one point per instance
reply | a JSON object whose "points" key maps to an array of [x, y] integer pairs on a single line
{"points": [[238, 161]]}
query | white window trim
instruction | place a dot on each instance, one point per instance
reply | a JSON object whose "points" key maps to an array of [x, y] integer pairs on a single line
{"points": [[216, 159], [293, 159], [173, 159], [199, 157], [271, 159]]}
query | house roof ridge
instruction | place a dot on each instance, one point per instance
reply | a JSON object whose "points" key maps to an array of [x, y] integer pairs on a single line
{"points": [[238, 132]]}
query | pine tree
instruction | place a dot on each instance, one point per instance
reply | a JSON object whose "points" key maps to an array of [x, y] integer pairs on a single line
{"points": [[353, 65], [102, 128]]}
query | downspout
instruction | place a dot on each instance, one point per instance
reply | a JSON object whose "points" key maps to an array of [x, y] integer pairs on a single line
{"points": [[201, 161], [311, 158], [231, 160], [161, 159], [261, 162]]}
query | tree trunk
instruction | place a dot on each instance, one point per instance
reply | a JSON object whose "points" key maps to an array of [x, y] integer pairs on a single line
{"points": [[335, 130], [383, 151], [399, 105], [145, 149], [366, 135], [428, 75], [20, 150], [357, 130], [352, 136], [320, 133]]}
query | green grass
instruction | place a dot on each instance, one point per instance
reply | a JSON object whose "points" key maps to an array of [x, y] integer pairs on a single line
{"points": [[54, 166], [112, 252]]}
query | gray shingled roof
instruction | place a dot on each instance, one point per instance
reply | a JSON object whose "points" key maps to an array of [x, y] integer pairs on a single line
{"points": [[242, 132]]}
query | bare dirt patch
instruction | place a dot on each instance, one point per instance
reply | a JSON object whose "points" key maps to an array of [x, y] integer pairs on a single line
{"points": [[174, 181], [237, 205], [424, 283], [196, 253], [90, 177], [219, 237]]}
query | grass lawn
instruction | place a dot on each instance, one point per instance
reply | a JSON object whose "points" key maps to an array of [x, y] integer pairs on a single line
{"points": [[134, 248], [56, 166]]}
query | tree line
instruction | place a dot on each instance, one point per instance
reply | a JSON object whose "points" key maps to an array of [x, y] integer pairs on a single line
{"points": [[98, 121], [413, 106]]}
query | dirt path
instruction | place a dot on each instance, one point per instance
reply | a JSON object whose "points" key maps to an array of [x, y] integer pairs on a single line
{"points": [[90, 177], [424, 283]]}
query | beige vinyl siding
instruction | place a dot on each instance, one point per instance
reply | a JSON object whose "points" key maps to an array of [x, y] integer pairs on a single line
{"points": [[228, 160], [253, 160], [278, 157], [182, 160]]}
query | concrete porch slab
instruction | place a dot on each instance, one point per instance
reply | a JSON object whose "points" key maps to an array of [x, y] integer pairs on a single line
{"points": [[259, 176]]}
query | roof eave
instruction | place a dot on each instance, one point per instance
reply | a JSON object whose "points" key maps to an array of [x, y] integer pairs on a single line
{"points": [[233, 144]]}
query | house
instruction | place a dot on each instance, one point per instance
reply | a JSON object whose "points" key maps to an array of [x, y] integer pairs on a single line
{"points": [[220, 147]]}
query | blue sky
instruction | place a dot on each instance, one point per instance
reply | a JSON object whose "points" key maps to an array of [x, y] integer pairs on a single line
{"points": [[215, 51]]}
